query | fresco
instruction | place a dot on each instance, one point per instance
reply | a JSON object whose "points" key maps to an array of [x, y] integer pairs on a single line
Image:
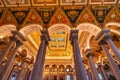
{"points": [[76, 2], [15, 2]]}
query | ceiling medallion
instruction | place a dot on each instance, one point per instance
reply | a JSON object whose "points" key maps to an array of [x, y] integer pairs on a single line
{"points": [[113, 15], [85, 16]]}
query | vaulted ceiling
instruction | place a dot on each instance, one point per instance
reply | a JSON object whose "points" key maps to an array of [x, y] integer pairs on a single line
{"points": [[49, 12]]}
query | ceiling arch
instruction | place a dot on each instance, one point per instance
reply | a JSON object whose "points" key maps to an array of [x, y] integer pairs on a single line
{"points": [[93, 29], [114, 27], [59, 27], [30, 28], [5, 30]]}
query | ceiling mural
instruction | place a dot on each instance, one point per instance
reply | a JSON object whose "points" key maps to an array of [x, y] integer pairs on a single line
{"points": [[8, 18], [73, 12], [19, 14], [46, 13], [44, 2], [100, 12], [86, 16], [113, 16], [33, 18], [17, 2], [72, 2], [59, 17]]}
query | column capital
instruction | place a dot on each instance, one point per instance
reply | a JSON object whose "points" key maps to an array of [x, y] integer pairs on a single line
{"points": [[102, 33], [18, 36], [88, 52], [45, 35], [73, 34], [102, 42]]}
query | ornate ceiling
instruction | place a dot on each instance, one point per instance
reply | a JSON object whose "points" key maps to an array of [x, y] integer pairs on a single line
{"points": [[11, 3], [49, 12]]}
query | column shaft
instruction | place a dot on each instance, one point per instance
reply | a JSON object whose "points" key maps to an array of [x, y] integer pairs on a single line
{"points": [[35, 73], [5, 51], [10, 63], [93, 68], [89, 75], [80, 70], [89, 55], [21, 75], [40, 58], [114, 48], [112, 63], [103, 71]]}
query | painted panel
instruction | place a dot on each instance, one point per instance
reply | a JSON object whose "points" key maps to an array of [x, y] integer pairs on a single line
{"points": [[17, 2], [44, 2], [70, 2]]}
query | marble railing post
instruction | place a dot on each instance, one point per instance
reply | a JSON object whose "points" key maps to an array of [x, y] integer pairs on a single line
{"points": [[102, 71], [40, 58], [104, 35], [21, 75], [89, 55], [11, 60], [112, 63], [80, 70]]}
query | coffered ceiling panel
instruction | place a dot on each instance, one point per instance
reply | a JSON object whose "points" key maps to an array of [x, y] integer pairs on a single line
{"points": [[12, 3], [71, 2], [44, 2]]}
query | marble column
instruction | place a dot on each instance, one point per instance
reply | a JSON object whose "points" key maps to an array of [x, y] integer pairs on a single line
{"points": [[9, 64], [89, 74], [102, 71], [6, 50], [89, 55], [104, 35], [112, 63], [40, 58], [21, 75], [79, 66], [11, 60]]}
